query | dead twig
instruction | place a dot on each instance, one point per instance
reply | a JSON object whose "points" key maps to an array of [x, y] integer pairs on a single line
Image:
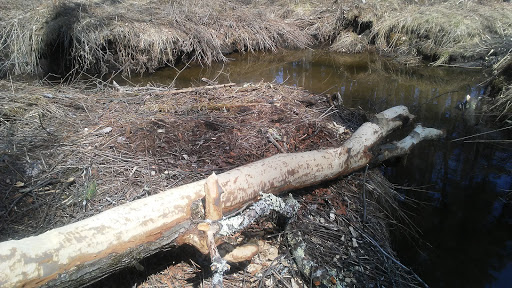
{"points": [[273, 141]]}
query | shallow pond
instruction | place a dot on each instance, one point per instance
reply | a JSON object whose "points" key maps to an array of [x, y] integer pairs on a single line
{"points": [[460, 187]]}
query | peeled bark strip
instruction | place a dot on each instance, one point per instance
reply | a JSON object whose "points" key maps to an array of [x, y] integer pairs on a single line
{"points": [[90, 249]]}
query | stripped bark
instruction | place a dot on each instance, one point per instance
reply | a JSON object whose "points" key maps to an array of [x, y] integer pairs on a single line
{"points": [[88, 250]]}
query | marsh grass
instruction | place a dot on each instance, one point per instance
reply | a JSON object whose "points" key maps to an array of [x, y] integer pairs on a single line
{"points": [[137, 36], [447, 31], [98, 37], [500, 107]]}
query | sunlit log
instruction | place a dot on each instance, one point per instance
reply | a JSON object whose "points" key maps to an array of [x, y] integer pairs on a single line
{"points": [[88, 250]]}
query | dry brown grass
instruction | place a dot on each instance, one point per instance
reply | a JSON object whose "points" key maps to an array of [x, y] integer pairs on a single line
{"points": [[21, 36], [156, 141], [350, 42], [501, 90], [447, 31], [137, 35]]}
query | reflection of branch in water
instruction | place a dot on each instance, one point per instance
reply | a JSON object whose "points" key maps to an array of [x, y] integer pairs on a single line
{"points": [[221, 72], [483, 133], [181, 70], [435, 97]]}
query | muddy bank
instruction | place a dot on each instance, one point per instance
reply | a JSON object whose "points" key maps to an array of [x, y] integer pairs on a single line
{"points": [[74, 37]]}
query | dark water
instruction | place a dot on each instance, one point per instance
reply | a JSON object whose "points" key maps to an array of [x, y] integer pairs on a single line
{"points": [[464, 210]]}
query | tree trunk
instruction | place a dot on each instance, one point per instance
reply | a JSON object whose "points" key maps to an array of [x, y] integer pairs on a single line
{"points": [[88, 250]]}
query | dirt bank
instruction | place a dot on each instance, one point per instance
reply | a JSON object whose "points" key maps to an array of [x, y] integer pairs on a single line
{"points": [[97, 37]]}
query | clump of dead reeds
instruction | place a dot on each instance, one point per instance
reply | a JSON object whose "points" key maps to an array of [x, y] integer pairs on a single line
{"points": [[340, 237], [501, 90], [322, 20], [504, 105], [447, 31], [134, 36], [350, 42], [21, 38]]}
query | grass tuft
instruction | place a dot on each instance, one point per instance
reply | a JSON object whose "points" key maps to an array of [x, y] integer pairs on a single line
{"points": [[448, 31], [138, 36]]}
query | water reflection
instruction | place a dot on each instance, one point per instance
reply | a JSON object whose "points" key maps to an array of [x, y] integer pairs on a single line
{"points": [[466, 217]]}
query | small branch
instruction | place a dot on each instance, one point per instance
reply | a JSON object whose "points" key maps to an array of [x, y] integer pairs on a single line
{"points": [[209, 82], [279, 147], [435, 97], [364, 194], [171, 92], [42, 126], [179, 71], [458, 66], [488, 141], [483, 133]]}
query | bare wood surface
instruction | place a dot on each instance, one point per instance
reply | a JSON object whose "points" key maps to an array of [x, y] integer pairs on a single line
{"points": [[213, 209], [405, 145], [87, 250]]}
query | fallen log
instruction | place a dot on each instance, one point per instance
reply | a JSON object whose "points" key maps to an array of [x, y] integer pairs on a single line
{"points": [[88, 250]]}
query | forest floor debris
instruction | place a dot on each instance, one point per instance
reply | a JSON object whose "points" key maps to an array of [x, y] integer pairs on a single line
{"points": [[71, 153]]}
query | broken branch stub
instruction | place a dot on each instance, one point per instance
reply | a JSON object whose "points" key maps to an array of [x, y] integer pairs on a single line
{"points": [[213, 201], [405, 145], [213, 211], [88, 250]]}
